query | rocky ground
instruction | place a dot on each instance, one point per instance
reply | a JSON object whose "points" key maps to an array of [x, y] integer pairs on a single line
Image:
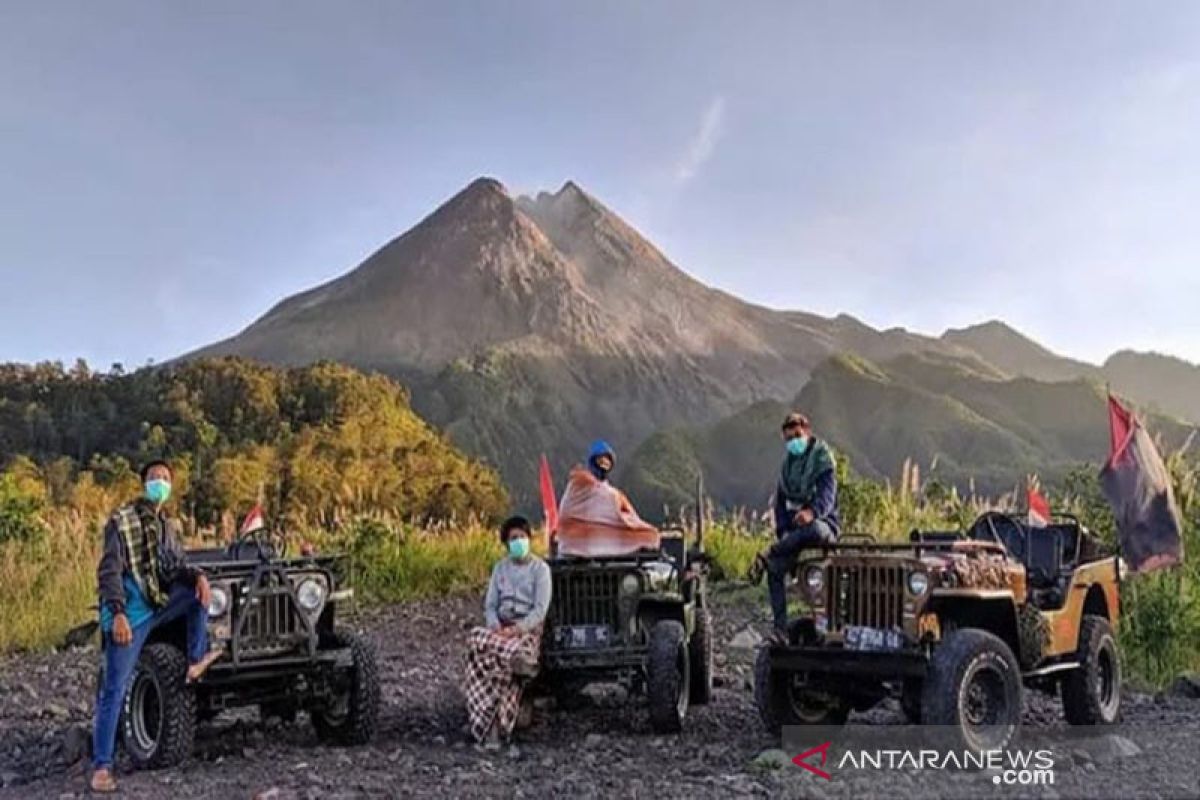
{"points": [[606, 748]]}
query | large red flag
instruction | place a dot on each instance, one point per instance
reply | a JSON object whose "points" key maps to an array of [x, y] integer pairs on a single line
{"points": [[549, 503], [1138, 488]]}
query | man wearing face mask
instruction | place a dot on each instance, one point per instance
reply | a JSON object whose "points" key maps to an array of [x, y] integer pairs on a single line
{"points": [[144, 582], [498, 655], [806, 512]]}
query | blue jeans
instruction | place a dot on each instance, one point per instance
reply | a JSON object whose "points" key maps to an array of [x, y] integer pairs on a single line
{"points": [[119, 662], [782, 556]]}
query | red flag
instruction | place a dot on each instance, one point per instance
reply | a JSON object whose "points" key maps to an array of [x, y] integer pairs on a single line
{"points": [[254, 521], [1039, 509], [1120, 428], [549, 503], [1138, 488]]}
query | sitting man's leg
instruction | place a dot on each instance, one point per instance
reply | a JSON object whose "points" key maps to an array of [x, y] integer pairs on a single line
{"points": [[184, 603], [780, 558]]}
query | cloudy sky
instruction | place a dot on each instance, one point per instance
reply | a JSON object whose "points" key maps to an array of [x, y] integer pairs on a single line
{"points": [[169, 170]]}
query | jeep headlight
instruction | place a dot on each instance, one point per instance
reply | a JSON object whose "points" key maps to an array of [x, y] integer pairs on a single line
{"points": [[630, 584], [814, 578], [218, 602], [918, 583], [310, 594]]}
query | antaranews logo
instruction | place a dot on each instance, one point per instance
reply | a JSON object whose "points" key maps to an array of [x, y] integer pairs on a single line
{"points": [[1000, 767]]}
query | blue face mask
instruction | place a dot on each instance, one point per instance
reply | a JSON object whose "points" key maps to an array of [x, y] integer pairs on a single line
{"points": [[158, 491], [518, 547], [797, 445]]}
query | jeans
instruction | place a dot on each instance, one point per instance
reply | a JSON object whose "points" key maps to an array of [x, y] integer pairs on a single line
{"points": [[119, 662], [782, 556]]}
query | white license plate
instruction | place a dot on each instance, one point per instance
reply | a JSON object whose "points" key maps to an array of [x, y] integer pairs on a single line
{"points": [[862, 637], [582, 637]]}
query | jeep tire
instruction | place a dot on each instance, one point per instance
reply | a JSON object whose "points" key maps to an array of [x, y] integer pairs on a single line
{"points": [[351, 718], [700, 652], [780, 702], [158, 714], [1091, 694], [668, 676], [973, 686]]}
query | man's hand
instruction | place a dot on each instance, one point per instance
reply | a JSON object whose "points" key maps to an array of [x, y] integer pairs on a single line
{"points": [[203, 592], [122, 634], [804, 517], [508, 631]]}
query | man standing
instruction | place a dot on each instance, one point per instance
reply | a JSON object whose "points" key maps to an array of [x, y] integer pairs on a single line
{"points": [[805, 511], [144, 582]]}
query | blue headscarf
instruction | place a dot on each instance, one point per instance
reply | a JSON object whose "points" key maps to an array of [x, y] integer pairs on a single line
{"points": [[600, 448]]}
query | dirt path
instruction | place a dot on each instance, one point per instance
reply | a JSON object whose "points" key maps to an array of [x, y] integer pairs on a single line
{"points": [[45, 708]]}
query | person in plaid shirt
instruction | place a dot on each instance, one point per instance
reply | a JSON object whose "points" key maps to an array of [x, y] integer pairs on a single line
{"points": [[506, 649]]}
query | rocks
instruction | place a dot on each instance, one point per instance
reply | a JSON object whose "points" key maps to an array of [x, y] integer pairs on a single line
{"points": [[746, 639], [771, 760], [1105, 749], [77, 744]]}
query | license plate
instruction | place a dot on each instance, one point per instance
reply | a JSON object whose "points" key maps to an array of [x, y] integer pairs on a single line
{"points": [[581, 637], [862, 637]]}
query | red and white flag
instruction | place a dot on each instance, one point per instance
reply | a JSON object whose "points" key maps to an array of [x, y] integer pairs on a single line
{"points": [[254, 521], [1138, 488], [1039, 509], [549, 502]]}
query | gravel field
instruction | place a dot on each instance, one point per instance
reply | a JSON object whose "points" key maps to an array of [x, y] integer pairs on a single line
{"points": [[603, 749]]}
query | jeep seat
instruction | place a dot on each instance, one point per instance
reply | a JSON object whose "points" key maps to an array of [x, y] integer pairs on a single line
{"points": [[1044, 562]]}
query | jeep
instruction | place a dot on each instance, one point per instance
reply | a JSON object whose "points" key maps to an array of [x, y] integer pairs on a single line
{"points": [[641, 620], [275, 618], [956, 624]]}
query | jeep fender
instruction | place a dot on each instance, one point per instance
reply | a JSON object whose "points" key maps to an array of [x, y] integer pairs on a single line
{"points": [[653, 608], [996, 615]]}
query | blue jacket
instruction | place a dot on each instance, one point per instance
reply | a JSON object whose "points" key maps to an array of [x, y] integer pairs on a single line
{"points": [[824, 506]]}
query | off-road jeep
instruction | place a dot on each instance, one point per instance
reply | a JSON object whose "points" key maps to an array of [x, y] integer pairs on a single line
{"points": [[274, 617], [641, 620], [957, 624]]}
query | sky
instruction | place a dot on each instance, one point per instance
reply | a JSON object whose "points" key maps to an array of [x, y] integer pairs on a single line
{"points": [[169, 171]]}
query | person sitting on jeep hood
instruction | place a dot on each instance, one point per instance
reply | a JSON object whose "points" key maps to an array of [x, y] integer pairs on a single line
{"points": [[498, 655], [144, 582], [805, 511], [597, 519]]}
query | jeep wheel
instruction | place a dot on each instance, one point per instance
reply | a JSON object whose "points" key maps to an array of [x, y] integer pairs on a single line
{"points": [[700, 652], [1091, 695], [351, 715], [158, 716], [781, 701], [667, 676], [973, 683]]}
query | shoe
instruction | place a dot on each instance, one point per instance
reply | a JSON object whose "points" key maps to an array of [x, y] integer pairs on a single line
{"points": [[196, 671], [103, 782]]}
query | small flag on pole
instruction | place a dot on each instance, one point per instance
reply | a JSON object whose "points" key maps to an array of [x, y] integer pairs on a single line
{"points": [[1138, 488], [549, 502], [1039, 509], [254, 521]]}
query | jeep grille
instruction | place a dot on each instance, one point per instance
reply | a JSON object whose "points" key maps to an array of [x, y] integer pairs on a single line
{"points": [[586, 598], [269, 623], [870, 595]]}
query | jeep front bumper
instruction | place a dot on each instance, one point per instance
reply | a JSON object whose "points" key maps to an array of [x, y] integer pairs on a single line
{"points": [[881, 664]]}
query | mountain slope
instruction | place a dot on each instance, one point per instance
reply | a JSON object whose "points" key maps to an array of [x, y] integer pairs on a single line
{"points": [[534, 325], [958, 419]]}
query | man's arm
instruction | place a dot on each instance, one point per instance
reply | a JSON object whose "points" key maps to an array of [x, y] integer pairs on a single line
{"points": [[111, 570], [783, 519], [491, 601], [825, 495], [541, 599]]}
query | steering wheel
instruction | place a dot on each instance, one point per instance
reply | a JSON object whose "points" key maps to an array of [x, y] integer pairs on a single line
{"points": [[1001, 528], [261, 547]]}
